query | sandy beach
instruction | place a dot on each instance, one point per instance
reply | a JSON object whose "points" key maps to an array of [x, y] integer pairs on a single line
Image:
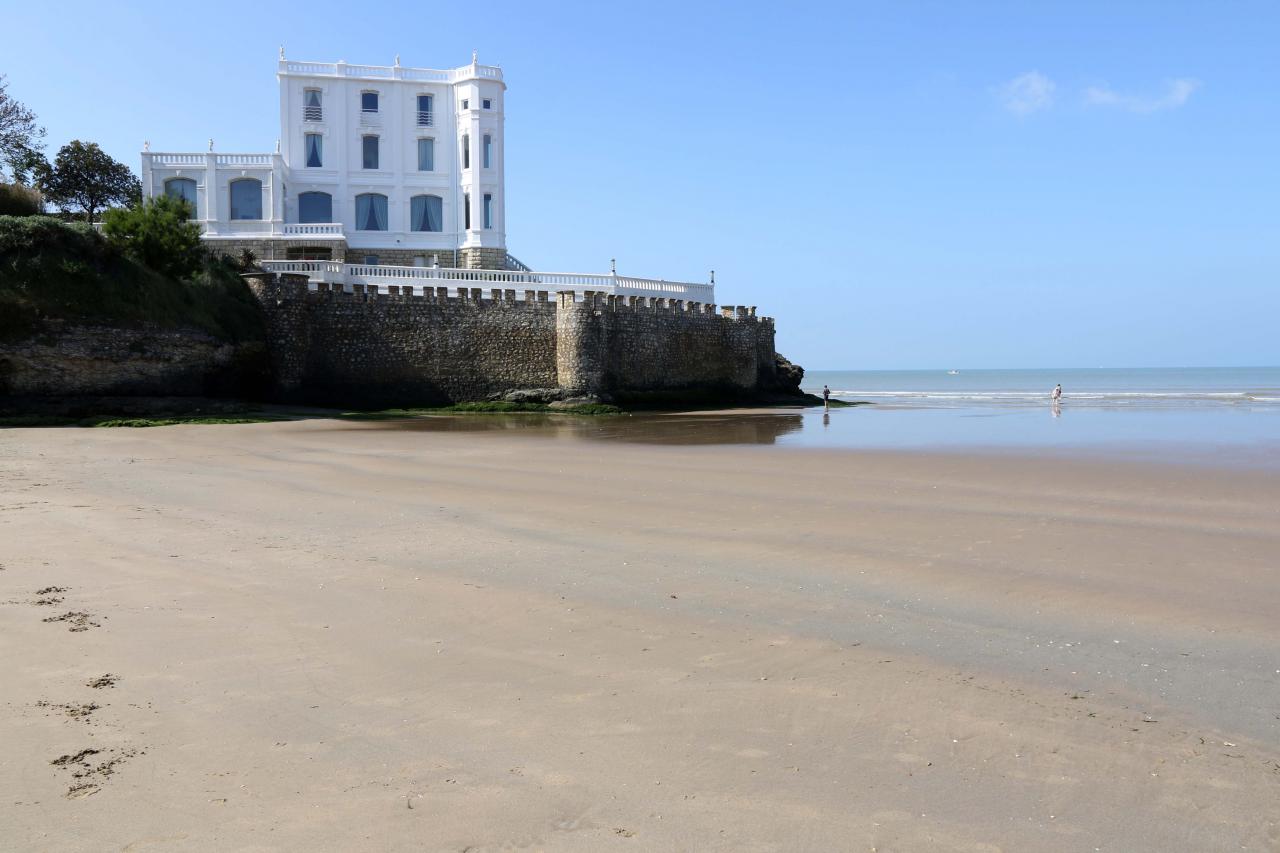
{"points": [[338, 636]]}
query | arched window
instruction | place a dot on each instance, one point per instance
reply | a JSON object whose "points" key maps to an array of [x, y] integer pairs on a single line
{"points": [[426, 213], [371, 212], [246, 198], [183, 188], [315, 207]]}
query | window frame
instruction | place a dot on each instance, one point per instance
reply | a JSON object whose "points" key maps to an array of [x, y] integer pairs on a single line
{"points": [[303, 221], [386, 210], [486, 103], [377, 101], [195, 192], [465, 144], [486, 151], [432, 141], [319, 93], [413, 224], [231, 199], [487, 212], [377, 152], [306, 156]]}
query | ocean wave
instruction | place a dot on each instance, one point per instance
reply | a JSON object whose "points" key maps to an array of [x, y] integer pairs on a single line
{"points": [[980, 397]]}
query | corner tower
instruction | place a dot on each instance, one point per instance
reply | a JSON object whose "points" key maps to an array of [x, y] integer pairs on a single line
{"points": [[479, 110]]}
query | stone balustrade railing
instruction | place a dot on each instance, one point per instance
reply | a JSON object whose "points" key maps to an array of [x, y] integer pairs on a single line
{"points": [[348, 275], [391, 72]]}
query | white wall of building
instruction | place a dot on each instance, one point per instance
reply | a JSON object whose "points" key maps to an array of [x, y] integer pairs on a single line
{"points": [[468, 102]]}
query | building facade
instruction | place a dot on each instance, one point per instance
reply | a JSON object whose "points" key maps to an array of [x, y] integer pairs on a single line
{"points": [[374, 165]]}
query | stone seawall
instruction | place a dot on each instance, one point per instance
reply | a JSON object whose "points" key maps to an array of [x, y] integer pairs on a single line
{"points": [[393, 346], [67, 360]]}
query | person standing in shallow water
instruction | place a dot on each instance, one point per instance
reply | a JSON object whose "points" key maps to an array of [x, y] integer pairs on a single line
{"points": [[1056, 396], [826, 397]]}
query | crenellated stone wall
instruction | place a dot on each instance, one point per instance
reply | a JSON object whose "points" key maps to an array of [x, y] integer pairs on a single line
{"points": [[394, 346]]}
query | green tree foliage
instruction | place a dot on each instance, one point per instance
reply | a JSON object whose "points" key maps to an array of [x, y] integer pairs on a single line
{"points": [[157, 234], [84, 178], [19, 137]]}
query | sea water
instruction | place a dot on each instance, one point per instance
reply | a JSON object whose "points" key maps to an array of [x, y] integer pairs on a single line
{"points": [[1195, 413]]}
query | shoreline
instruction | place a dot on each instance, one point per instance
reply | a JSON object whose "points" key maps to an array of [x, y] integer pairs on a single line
{"points": [[350, 634]]}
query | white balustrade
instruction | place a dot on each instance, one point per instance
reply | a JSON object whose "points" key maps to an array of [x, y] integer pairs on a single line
{"points": [[313, 229], [162, 159], [430, 277], [392, 72], [244, 159]]}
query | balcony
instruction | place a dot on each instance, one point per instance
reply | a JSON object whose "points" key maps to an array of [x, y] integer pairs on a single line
{"points": [[426, 118]]}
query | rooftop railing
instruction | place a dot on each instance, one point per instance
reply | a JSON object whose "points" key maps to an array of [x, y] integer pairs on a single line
{"points": [[391, 72]]}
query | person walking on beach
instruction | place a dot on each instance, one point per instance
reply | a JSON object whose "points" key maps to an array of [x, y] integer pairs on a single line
{"points": [[826, 397], [1056, 396]]}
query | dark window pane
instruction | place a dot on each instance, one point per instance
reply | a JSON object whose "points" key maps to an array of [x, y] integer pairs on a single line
{"points": [[315, 207], [246, 199], [369, 102], [371, 152]]}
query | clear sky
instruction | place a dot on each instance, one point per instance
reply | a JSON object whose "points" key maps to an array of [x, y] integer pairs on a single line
{"points": [[900, 184]]}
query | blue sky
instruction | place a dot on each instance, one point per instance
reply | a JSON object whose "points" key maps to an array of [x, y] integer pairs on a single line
{"points": [[902, 185]]}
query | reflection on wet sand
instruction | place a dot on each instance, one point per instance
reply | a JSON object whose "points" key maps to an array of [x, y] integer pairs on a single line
{"points": [[705, 428]]}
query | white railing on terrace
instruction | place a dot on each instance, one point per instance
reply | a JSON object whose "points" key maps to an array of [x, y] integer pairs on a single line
{"points": [[313, 113], [392, 72], [426, 118], [314, 229], [162, 159], [336, 272]]}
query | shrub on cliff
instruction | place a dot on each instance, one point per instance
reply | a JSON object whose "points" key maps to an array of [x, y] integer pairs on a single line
{"points": [[17, 200], [157, 233], [51, 269]]}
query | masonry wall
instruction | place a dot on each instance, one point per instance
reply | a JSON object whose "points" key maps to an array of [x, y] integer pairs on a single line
{"points": [[384, 346]]}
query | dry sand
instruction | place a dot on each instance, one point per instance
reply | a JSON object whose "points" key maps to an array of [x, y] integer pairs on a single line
{"points": [[320, 636]]}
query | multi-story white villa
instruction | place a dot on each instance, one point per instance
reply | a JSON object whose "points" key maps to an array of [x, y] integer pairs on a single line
{"points": [[381, 175], [375, 164]]}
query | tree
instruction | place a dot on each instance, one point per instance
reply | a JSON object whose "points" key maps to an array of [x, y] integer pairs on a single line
{"points": [[84, 177], [157, 234], [19, 137]]}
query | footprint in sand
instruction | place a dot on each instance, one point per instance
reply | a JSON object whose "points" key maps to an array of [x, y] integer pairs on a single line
{"points": [[78, 620], [102, 681], [88, 773]]}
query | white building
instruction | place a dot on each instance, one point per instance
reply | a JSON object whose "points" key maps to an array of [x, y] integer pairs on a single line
{"points": [[382, 175], [374, 164]]}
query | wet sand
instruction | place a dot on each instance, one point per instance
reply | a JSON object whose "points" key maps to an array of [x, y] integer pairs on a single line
{"points": [[332, 636]]}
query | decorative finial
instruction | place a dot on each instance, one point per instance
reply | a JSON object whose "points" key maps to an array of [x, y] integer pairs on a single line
{"points": [[613, 266], [277, 146], [146, 145], [475, 57], [210, 143], [713, 276], [281, 53], [397, 60]]}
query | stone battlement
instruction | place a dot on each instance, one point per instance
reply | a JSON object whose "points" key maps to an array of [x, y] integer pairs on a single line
{"points": [[424, 345]]}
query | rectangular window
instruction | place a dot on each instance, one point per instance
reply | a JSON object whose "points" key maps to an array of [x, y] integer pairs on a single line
{"points": [[426, 116], [466, 207], [315, 150], [488, 104], [370, 151], [488, 151], [466, 151], [488, 210], [368, 102], [466, 104], [311, 108], [426, 155], [371, 260]]}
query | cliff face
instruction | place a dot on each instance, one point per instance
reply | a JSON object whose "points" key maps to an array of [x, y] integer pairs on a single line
{"points": [[69, 360]]}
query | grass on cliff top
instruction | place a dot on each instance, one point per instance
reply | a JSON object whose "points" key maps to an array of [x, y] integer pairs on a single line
{"points": [[497, 407], [68, 271]]}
